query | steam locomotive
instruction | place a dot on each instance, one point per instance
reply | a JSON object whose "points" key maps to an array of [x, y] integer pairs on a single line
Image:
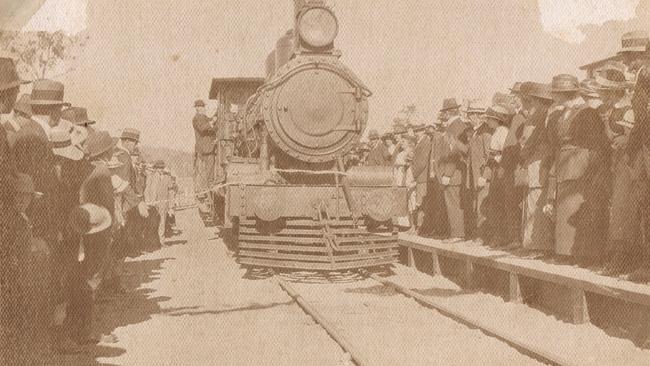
{"points": [[287, 197]]}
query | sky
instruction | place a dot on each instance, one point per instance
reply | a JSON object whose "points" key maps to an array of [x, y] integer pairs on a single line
{"points": [[146, 61]]}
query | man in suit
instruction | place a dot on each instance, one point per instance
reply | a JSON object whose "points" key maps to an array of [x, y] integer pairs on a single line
{"points": [[479, 173], [420, 169], [452, 168], [204, 152], [379, 154]]}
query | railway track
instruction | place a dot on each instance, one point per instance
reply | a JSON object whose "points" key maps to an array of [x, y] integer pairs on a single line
{"points": [[313, 299]]}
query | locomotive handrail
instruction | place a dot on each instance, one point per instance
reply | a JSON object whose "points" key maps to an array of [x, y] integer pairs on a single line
{"points": [[347, 74]]}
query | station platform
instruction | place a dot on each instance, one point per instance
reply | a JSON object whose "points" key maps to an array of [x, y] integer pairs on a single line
{"points": [[577, 295]]}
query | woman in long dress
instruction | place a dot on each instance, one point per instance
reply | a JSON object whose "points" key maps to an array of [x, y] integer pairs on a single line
{"points": [[579, 175]]}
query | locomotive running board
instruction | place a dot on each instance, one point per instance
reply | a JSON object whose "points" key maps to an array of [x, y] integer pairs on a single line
{"points": [[301, 244]]}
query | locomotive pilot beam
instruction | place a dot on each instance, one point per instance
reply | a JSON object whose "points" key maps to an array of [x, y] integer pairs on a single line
{"points": [[291, 204]]}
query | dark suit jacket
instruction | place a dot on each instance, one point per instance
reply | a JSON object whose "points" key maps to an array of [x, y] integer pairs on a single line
{"points": [[479, 146], [640, 134], [421, 160], [126, 172], [204, 134], [97, 188], [452, 159]]}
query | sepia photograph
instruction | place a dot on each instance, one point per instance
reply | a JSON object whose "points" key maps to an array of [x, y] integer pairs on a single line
{"points": [[324, 182]]}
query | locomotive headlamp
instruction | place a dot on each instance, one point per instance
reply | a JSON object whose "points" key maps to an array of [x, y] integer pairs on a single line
{"points": [[318, 27]]}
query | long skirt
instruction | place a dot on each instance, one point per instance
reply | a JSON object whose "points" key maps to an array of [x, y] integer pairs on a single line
{"points": [[625, 211], [537, 228], [581, 218]]}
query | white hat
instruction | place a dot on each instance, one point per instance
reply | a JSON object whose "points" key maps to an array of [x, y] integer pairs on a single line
{"points": [[119, 184], [90, 219], [61, 143]]}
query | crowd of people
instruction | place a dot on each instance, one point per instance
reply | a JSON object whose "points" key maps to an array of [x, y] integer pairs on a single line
{"points": [[74, 203], [560, 167]]}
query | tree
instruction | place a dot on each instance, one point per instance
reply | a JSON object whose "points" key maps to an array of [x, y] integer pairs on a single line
{"points": [[39, 54]]}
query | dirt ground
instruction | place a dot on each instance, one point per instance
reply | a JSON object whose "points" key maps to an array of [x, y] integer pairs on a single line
{"points": [[189, 305]]}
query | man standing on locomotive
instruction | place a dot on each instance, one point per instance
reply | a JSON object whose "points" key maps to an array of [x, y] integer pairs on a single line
{"points": [[204, 155]]}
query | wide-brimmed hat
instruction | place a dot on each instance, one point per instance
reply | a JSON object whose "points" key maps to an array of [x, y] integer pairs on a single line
{"points": [[635, 41], [8, 76], [537, 90], [98, 143], [199, 103], [130, 134], [610, 79], [61, 143], [498, 112], [48, 92], [373, 135], [77, 116], [90, 219], [23, 105], [564, 83], [449, 103]]}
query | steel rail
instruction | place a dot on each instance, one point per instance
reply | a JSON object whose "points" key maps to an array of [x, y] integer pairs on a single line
{"points": [[522, 346], [330, 328]]}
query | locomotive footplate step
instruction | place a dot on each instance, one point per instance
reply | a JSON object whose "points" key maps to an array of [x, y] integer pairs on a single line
{"points": [[314, 246]]}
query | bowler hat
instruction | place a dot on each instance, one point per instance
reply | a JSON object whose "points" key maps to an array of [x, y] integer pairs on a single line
{"points": [[373, 135], [635, 41], [89, 219], [131, 134], [23, 105], [537, 90], [77, 116], [8, 76], [449, 103], [199, 103], [564, 83], [61, 143], [99, 143], [48, 92]]}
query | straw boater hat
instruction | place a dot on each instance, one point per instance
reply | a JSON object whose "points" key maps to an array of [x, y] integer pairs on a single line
{"points": [[77, 116], [48, 93], [635, 41], [61, 144], [130, 134], [98, 143], [8, 76], [90, 219], [449, 104], [564, 83]]}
